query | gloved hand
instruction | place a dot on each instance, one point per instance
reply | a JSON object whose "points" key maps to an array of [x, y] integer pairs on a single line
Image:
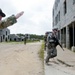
{"points": [[19, 14]]}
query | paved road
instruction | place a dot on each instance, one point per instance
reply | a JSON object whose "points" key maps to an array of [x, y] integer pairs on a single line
{"points": [[54, 67], [54, 71]]}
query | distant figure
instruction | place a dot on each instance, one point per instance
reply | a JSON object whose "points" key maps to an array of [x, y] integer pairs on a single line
{"points": [[9, 20], [25, 39]]}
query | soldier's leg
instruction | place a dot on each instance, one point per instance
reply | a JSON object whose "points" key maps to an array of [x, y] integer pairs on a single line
{"points": [[54, 53], [48, 56]]}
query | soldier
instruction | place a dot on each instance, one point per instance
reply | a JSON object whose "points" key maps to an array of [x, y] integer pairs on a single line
{"points": [[25, 39], [52, 42], [8, 21]]}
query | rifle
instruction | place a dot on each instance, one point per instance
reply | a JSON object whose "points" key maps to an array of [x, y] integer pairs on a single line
{"points": [[61, 46], [57, 43]]}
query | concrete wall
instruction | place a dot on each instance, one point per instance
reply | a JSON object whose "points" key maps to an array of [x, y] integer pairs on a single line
{"points": [[66, 20]]}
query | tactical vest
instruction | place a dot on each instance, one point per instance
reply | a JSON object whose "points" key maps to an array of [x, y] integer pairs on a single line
{"points": [[51, 43]]}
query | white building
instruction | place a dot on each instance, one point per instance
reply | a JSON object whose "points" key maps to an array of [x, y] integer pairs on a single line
{"points": [[4, 34], [64, 21], [14, 37]]}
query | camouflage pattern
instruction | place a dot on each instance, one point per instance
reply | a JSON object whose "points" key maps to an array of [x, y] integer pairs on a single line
{"points": [[51, 48], [7, 22], [51, 53]]}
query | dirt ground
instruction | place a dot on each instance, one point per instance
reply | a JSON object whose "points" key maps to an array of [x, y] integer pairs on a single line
{"points": [[20, 59]]}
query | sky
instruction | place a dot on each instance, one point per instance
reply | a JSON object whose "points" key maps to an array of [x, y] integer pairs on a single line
{"points": [[37, 17]]}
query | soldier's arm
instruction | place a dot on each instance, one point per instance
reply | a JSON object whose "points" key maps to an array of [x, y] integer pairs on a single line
{"points": [[61, 46], [8, 22]]}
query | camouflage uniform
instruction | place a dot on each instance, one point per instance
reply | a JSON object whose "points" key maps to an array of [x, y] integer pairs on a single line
{"points": [[25, 39], [7, 22], [51, 48]]}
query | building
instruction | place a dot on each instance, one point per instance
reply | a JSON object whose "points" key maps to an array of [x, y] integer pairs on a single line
{"points": [[64, 21], [4, 34], [15, 37]]}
